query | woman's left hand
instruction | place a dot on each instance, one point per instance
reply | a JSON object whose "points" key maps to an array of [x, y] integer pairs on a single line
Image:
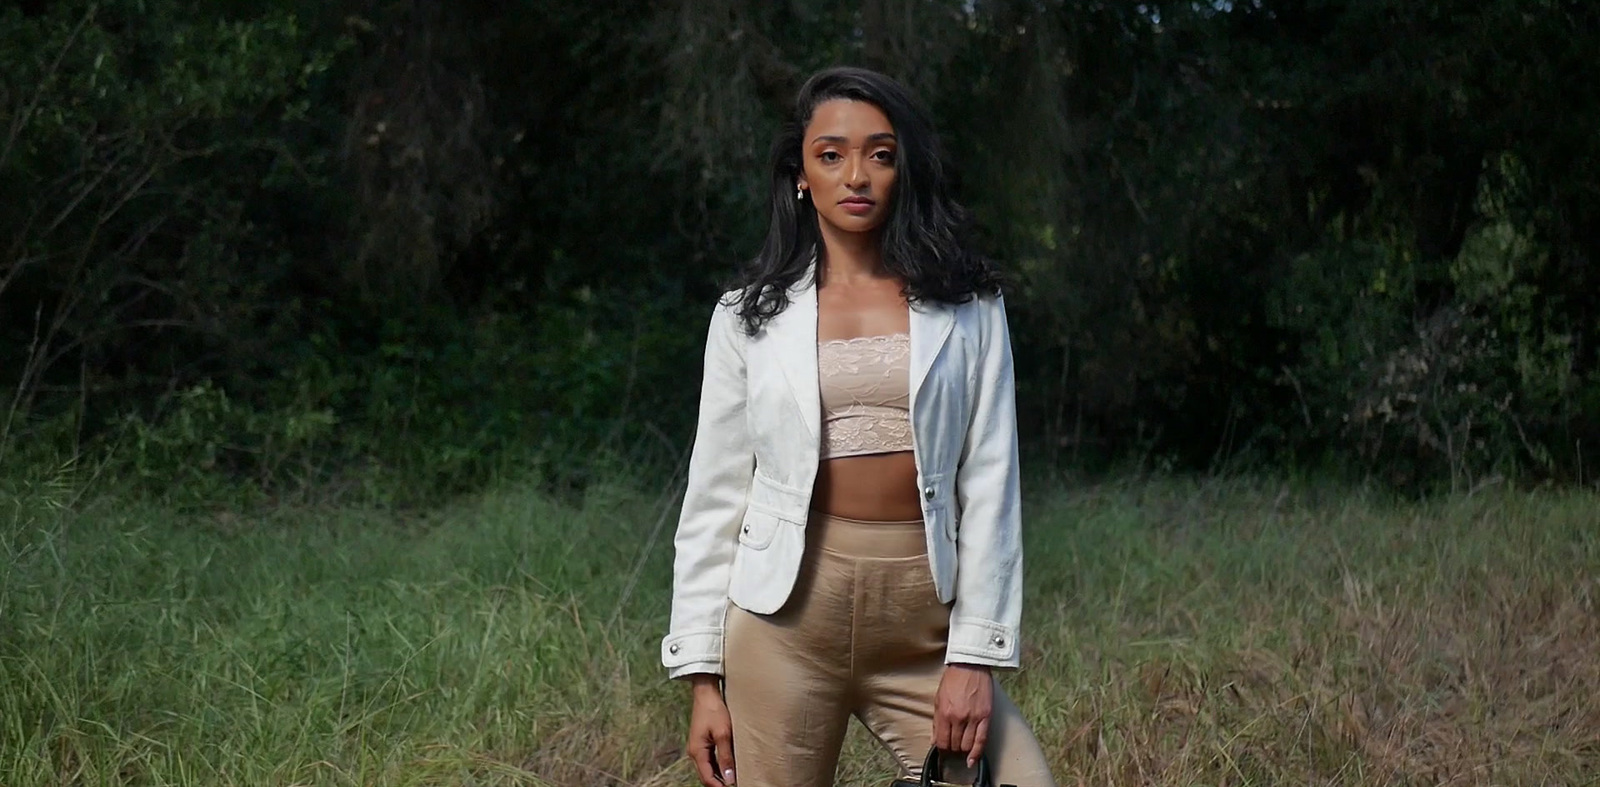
{"points": [[962, 709]]}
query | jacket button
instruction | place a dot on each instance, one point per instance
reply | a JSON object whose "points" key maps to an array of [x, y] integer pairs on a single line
{"points": [[746, 529], [927, 492], [999, 641], [673, 649]]}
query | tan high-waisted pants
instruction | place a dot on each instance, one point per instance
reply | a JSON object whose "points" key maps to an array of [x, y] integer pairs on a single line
{"points": [[862, 634]]}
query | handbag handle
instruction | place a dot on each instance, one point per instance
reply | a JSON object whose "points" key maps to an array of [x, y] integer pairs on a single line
{"points": [[933, 772]]}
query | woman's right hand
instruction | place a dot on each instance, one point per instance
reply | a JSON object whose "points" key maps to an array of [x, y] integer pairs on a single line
{"points": [[710, 733]]}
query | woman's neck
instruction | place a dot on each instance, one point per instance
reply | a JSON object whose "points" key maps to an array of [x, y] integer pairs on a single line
{"points": [[850, 256]]}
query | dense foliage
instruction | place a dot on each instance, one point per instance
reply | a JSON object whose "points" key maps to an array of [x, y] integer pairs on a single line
{"points": [[368, 241]]}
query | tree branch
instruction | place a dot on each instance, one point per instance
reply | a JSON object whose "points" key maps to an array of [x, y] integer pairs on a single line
{"points": [[45, 79]]}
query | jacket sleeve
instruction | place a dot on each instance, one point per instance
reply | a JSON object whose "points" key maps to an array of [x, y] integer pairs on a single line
{"points": [[720, 471], [987, 615]]}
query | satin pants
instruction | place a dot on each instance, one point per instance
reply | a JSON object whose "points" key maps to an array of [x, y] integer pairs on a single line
{"points": [[862, 635]]}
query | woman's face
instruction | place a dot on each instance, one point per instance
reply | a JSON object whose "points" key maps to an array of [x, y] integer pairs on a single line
{"points": [[848, 164]]}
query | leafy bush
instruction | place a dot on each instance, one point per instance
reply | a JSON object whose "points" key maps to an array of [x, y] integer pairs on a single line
{"points": [[144, 140], [432, 409], [1472, 389]]}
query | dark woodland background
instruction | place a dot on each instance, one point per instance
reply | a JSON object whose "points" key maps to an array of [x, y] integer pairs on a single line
{"points": [[397, 249]]}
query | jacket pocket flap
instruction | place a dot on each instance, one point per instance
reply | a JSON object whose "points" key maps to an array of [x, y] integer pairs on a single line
{"points": [[779, 500], [758, 528]]}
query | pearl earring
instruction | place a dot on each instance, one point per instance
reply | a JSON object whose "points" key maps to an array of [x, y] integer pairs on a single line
{"points": [[799, 193]]}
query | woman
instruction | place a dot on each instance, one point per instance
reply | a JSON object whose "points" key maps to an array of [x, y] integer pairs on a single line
{"points": [[849, 542]]}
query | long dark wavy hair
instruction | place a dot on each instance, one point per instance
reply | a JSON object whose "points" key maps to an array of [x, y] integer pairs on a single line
{"points": [[925, 237]]}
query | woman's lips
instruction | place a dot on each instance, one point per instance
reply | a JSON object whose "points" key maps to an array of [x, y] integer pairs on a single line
{"points": [[858, 206]]}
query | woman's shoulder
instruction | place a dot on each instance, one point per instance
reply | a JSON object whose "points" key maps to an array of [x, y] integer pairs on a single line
{"points": [[727, 317], [986, 315], [984, 304], [729, 310]]}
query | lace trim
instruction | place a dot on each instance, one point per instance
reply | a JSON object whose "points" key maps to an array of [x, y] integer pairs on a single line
{"points": [[883, 338]]}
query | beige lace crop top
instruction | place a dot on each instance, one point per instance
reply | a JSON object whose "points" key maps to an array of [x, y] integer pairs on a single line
{"points": [[866, 395]]}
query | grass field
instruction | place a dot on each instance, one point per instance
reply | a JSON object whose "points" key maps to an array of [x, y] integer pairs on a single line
{"points": [[1181, 633]]}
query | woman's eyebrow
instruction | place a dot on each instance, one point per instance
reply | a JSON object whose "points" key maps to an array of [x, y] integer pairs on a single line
{"points": [[881, 135]]}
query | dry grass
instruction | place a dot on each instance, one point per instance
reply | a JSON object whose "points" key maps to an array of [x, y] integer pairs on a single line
{"points": [[1217, 633], [1329, 641]]}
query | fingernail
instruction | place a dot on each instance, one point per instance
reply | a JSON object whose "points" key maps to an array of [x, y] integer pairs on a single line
{"points": [[727, 776]]}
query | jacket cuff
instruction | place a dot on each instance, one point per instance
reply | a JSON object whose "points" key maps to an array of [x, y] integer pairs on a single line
{"points": [[977, 641], [693, 651], [698, 668]]}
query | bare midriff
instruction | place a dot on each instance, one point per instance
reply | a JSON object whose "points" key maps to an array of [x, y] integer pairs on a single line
{"points": [[873, 487]]}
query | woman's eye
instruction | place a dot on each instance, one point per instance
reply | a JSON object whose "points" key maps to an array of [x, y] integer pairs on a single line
{"points": [[830, 156], [886, 156]]}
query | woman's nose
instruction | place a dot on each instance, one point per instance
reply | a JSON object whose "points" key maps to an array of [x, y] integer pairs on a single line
{"points": [[855, 173]]}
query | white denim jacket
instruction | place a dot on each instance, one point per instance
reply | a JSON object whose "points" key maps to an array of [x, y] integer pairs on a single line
{"points": [[741, 533]]}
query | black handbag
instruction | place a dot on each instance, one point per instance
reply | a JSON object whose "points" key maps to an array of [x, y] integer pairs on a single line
{"points": [[933, 773]]}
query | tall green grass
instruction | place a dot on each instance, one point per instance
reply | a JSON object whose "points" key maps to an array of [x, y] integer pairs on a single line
{"points": [[1221, 632]]}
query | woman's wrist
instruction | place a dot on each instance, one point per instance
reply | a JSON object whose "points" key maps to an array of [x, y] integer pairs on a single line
{"points": [[705, 684]]}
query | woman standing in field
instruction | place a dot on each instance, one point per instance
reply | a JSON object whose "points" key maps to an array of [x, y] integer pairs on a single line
{"points": [[850, 536]]}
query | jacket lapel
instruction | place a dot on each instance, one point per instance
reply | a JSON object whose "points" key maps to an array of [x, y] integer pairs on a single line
{"points": [[931, 324], [794, 331]]}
